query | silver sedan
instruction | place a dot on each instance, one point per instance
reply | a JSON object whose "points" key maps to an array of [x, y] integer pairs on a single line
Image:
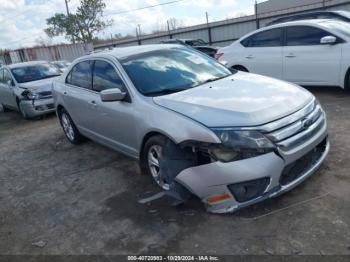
{"points": [[230, 138]]}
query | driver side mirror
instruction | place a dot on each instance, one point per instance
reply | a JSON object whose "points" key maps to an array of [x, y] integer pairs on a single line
{"points": [[328, 40], [111, 95]]}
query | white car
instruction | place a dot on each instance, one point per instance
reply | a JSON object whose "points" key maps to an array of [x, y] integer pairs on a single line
{"points": [[308, 52]]}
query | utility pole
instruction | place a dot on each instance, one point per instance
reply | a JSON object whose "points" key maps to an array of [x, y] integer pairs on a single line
{"points": [[170, 36], [209, 29], [138, 37], [139, 26], [68, 14], [256, 15], [112, 40]]}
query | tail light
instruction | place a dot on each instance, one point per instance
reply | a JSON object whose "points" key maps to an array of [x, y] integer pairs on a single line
{"points": [[218, 55]]}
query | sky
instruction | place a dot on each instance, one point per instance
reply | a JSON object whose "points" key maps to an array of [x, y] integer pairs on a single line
{"points": [[22, 21]]}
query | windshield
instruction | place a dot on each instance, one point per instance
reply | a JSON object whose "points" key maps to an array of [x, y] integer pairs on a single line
{"points": [[172, 70], [30, 73], [338, 26]]}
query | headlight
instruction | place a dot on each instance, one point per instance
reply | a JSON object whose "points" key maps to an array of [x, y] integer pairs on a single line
{"points": [[237, 145], [29, 95]]}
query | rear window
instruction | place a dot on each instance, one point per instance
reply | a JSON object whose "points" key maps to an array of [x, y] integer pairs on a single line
{"points": [[81, 75]]}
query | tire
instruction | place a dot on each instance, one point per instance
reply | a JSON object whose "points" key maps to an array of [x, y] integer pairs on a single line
{"points": [[347, 82], [22, 111], [3, 108], [151, 154], [70, 130], [240, 68]]}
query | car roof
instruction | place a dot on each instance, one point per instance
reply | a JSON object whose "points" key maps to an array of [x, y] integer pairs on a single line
{"points": [[123, 52], [30, 63], [317, 22]]}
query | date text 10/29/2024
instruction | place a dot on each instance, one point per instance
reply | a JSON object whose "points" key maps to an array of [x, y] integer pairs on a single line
{"points": [[173, 258]]}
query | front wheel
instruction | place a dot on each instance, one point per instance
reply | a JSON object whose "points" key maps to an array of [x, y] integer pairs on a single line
{"points": [[347, 82], [152, 155], [23, 111], [69, 128]]}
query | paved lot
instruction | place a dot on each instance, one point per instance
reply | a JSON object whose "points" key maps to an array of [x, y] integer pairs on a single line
{"points": [[56, 198]]}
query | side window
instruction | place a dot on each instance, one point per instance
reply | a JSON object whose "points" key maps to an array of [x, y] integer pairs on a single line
{"points": [[269, 38], [105, 77], [304, 35], [7, 76], [2, 76], [81, 75]]}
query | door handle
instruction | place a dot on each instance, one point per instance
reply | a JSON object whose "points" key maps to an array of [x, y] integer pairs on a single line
{"points": [[291, 55], [249, 57], [65, 93], [93, 102]]}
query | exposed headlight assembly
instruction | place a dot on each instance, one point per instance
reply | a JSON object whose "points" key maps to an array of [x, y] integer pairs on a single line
{"points": [[28, 95], [238, 145]]}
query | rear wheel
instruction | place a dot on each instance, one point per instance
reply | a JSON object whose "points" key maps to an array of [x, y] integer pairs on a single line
{"points": [[69, 128]]}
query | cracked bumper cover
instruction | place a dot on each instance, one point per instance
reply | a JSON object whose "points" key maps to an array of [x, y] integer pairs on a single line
{"points": [[40, 107], [212, 179]]}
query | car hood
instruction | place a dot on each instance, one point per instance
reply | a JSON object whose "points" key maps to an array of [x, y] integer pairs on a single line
{"points": [[240, 100], [43, 85]]}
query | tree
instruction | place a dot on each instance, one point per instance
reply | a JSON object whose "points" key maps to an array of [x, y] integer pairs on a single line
{"points": [[174, 23], [83, 25]]}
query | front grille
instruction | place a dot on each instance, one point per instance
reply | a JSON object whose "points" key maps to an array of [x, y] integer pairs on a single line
{"points": [[45, 95], [298, 130], [296, 169]]}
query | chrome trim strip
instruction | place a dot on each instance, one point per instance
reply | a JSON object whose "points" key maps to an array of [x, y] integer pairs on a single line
{"points": [[299, 138], [294, 128]]}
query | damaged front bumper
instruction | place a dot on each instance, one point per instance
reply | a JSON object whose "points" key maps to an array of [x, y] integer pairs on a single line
{"points": [[227, 187], [34, 108]]}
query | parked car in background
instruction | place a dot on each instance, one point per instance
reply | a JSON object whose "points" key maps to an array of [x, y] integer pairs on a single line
{"points": [[198, 44], [231, 138], [337, 15], [27, 88], [308, 52], [61, 65]]}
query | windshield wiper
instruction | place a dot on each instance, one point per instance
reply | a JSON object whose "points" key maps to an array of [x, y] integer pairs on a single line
{"points": [[166, 91], [212, 80]]}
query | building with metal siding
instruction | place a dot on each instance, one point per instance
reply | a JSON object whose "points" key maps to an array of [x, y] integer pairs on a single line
{"points": [[47, 53], [224, 32]]}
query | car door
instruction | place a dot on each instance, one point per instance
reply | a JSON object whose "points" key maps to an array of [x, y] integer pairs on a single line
{"points": [[8, 97], [308, 62], [113, 121], [263, 53], [79, 98], [2, 86]]}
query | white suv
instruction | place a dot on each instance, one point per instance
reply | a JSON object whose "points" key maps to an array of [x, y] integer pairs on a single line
{"points": [[308, 52]]}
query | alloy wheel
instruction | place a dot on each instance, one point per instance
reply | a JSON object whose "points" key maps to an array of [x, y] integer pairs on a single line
{"points": [[67, 127], [153, 157]]}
